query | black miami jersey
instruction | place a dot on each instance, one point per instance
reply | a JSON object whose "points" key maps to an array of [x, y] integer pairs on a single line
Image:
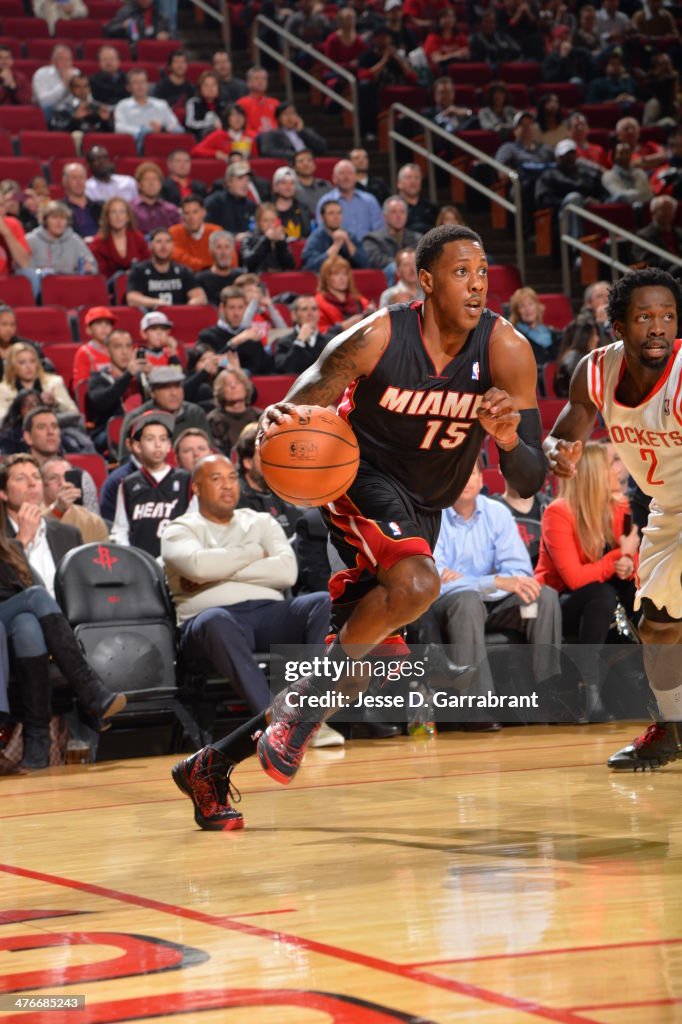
{"points": [[419, 427], [151, 504]]}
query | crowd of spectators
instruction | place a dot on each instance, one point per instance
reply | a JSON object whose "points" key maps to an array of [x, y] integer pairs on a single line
{"points": [[163, 238]]}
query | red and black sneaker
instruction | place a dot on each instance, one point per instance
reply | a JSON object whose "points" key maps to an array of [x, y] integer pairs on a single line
{"points": [[205, 779], [660, 744], [285, 741]]}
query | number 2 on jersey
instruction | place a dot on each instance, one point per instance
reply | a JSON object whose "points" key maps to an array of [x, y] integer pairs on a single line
{"points": [[649, 455]]}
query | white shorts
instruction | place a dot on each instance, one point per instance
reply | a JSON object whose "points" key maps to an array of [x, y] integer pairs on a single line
{"points": [[660, 561]]}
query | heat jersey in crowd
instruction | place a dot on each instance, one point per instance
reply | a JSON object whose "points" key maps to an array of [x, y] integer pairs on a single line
{"points": [[418, 426]]}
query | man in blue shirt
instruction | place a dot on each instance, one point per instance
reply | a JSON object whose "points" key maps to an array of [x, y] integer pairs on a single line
{"points": [[361, 211], [330, 239], [487, 583]]}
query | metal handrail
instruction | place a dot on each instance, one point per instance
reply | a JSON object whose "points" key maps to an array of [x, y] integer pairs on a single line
{"points": [[614, 234], [284, 58], [219, 15], [433, 161]]}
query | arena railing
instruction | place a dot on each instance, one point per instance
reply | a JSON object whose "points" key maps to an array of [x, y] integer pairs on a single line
{"points": [[290, 42], [221, 15], [513, 206], [614, 234]]}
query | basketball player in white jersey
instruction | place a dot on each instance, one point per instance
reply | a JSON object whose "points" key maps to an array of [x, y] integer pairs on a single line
{"points": [[636, 385]]}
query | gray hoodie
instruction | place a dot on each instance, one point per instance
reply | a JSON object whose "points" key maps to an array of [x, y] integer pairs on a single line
{"points": [[58, 254]]}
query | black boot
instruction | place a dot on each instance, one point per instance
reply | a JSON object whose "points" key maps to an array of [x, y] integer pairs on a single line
{"points": [[95, 700], [36, 696]]}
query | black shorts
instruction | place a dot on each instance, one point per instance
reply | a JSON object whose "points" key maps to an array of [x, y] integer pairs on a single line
{"points": [[373, 526]]}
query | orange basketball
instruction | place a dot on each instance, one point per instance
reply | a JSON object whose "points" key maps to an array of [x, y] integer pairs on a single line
{"points": [[310, 458]]}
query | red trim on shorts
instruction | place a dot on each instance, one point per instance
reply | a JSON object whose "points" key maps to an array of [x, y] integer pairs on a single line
{"points": [[375, 550], [340, 580]]}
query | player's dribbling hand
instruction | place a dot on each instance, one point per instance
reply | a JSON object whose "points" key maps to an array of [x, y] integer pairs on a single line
{"points": [[498, 417], [272, 415], [564, 457]]}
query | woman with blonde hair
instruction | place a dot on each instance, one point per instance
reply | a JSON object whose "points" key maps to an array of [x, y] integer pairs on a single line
{"points": [[337, 297], [526, 313], [23, 370], [588, 553], [118, 244], [233, 394]]}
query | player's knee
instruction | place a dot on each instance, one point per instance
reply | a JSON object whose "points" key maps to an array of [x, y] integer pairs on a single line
{"points": [[413, 590], [655, 632]]}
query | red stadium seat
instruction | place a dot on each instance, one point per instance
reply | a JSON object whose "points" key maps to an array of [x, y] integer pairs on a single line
{"points": [[102, 10], [155, 51], [487, 142], [548, 372], [528, 72], [620, 214], [73, 290], [471, 73], [25, 28], [21, 168], [62, 355], [324, 166], [92, 464], [82, 28], [132, 402], [159, 144], [129, 164], [271, 389], [126, 317], [41, 49], [15, 119], [303, 282], [15, 45], [518, 94], [120, 289], [549, 411], [195, 68], [45, 144], [114, 433], [6, 148], [503, 280], [569, 93], [602, 115], [46, 324], [206, 170], [370, 283], [493, 481], [296, 247], [91, 47], [558, 309], [16, 291], [12, 9], [116, 143], [189, 320], [265, 166]]}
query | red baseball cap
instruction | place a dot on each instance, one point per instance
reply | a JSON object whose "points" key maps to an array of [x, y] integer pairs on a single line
{"points": [[99, 313]]}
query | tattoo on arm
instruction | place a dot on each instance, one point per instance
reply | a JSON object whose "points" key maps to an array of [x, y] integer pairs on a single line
{"points": [[342, 362]]}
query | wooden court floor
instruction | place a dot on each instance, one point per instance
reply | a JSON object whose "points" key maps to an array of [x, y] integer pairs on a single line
{"points": [[496, 879]]}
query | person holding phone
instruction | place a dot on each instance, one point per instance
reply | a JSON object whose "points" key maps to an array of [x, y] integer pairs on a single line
{"points": [[266, 248], [63, 496], [232, 335]]}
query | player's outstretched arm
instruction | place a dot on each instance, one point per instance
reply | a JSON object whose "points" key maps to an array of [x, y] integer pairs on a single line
{"points": [[352, 354], [563, 446], [509, 410]]}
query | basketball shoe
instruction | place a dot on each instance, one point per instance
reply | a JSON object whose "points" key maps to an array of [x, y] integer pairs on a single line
{"points": [[285, 741], [661, 743], [205, 779]]}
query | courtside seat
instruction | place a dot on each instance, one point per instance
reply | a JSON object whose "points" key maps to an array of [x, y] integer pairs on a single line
{"points": [[116, 600]]}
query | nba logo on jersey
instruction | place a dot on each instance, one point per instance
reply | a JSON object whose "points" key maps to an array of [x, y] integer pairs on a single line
{"points": [[395, 530], [475, 372]]}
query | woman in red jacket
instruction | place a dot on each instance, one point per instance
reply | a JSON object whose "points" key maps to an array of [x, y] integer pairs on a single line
{"points": [[118, 244], [338, 300], [588, 553]]}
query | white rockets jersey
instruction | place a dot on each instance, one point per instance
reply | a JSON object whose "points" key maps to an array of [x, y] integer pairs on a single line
{"points": [[649, 435]]}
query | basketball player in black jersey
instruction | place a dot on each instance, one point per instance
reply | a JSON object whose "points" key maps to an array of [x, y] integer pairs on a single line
{"points": [[422, 384]]}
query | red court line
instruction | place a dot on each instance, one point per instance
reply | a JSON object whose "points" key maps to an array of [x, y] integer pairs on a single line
{"points": [[545, 952], [560, 1016], [626, 1006], [301, 789], [255, 771]]}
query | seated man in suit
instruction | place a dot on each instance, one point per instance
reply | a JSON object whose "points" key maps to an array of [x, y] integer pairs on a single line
{"points": [[44, 539], [290, 136]]}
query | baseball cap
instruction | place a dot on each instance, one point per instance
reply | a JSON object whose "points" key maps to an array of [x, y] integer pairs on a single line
{"points": [[238, 170], [162, 419], [99, 313], [564, 147], [159, 376], [390, 4], [284, 174], [519, 116], [155, 319]]}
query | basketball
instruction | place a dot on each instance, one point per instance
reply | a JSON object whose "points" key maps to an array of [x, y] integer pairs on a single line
{"points": [[310, 458]]}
